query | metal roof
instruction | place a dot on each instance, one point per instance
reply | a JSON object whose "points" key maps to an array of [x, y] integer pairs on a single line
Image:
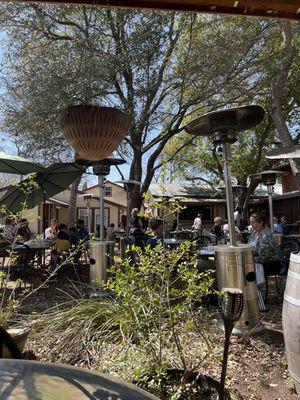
{"points": [[287, 9], [178, 190]]}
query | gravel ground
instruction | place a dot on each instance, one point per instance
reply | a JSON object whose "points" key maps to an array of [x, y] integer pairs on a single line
{"points": [[257, 366]]}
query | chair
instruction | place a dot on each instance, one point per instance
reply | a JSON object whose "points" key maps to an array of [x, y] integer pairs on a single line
{"points": [[285, 250], [272, 268], [279, 268]]}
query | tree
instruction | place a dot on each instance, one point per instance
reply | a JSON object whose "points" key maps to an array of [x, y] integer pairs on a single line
{"points": [[282, 86], [199, 160], [158, 67]]}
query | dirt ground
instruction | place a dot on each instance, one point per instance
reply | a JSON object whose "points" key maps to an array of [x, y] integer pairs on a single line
{"points": [[257, 366]]}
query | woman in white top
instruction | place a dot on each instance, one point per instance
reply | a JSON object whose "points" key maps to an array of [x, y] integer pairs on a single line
{"points": [[51, 232]]}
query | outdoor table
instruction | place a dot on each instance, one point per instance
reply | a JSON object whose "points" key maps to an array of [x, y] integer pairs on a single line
{"points": [[184, 232], [23, 379], [174, 242], [293, 236], [206, 252], [38, 247]]}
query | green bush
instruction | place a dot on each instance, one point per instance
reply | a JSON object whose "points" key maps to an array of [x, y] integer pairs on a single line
{"points": [[154, 317]]}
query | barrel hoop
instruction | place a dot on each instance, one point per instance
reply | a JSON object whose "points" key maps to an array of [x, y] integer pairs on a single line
{"points": [[291, 300], [294, 275], [296, 378]]}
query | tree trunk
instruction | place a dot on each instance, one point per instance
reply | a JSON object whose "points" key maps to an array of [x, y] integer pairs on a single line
{"points": [[278, 94], [136, 197], [72, 205]]}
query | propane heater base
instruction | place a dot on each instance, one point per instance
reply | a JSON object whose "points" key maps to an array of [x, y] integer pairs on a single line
{"points": [[241, 331], [235, 269]]}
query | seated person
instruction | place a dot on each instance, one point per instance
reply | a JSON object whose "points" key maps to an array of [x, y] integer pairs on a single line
{"points": [[156, 227], [62, 242], [23, 232], [63, 228], [217, 229], [262, 238], [51, 232], [110, 234], [9, 229], [286, 228], [74, 236], [277, 226], [136, 228], [238, 233], [82, 231]]}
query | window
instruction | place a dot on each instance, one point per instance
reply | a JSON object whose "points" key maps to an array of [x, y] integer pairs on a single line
{"points": [[108, 191], [82, 214]]}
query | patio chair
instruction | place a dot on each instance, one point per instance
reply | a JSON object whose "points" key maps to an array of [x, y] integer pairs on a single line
{"points": [[285, 249], [271, 269]]}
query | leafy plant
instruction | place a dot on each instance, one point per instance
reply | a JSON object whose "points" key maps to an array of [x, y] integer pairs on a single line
{"points": [[155, 308]]}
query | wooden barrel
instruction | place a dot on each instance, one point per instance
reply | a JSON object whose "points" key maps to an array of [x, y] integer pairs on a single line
{"points": [[291, 319]]}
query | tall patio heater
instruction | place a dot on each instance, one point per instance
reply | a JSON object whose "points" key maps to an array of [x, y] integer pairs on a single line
{"points": [[94, 133], [87, 199], [235, 265], [128, 186], [268, 178]]}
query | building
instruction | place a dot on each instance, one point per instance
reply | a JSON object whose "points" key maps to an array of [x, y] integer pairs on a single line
{"points": [[58, 206], [195, 199]]}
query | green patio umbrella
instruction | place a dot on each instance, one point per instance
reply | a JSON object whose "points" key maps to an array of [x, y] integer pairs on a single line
{"points": [[37, 189], [18, 165]]}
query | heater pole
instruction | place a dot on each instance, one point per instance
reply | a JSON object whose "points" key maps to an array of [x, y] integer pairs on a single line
{"points": [[270, 192], [128, 210], [101, 208], [228, 188]]}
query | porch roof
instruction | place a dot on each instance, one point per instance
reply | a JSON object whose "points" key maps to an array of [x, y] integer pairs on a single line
{"points": [[288, 9]]}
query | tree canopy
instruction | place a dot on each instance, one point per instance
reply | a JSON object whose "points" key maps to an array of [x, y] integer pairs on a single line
{"points": [[163, 69]]}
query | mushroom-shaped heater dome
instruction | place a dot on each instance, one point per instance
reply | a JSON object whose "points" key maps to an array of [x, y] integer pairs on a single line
{"points": [[93, 132], [235, 119], [268, 177]]}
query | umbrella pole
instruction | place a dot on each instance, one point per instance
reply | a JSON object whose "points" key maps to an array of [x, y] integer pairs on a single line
{"points": [[101, 208]]}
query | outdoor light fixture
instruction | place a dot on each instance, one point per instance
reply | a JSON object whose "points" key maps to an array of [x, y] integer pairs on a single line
{"points": [[235, 266], [231, 303], [93, 132], [223, 126], [268, 178]]}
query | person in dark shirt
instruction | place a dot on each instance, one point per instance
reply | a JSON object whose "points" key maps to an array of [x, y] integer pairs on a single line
{"points": [[136, 228], [156, 226], [23, 233], [74, 236], [285, 226], [82, 231], [217, 229]]}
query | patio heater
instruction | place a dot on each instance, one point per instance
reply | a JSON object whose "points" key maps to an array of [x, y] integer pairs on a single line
{"points": [[234, 263], [128, 186], [94, 133], [87, 199], [268, 178]]}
